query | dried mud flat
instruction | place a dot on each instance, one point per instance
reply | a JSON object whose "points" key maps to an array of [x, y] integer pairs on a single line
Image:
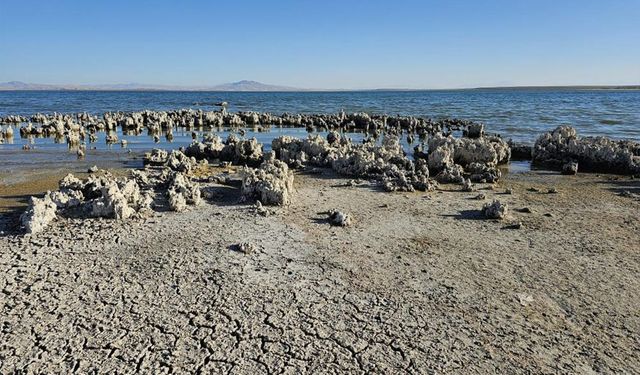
{"points": [[419, 283]]}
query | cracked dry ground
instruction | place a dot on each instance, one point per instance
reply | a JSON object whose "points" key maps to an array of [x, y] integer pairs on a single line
{"points": [[418, 284]]}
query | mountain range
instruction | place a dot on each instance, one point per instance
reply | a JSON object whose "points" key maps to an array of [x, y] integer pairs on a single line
{"points": [[254, 86], [243, 85]]}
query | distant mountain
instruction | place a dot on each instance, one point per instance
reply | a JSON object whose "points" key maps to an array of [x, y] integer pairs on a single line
{"points": [[233, 86], [248, 86], [251, 86], [17, 85]]}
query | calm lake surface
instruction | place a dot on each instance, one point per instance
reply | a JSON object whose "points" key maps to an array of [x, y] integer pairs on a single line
{"points": [[521, 114]]}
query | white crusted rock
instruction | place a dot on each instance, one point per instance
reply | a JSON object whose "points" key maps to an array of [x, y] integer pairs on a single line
{"points": [[271, 183], [178, 161], [71, 182], [183, 192], [39, 214], [66, 198], [562, 145]]}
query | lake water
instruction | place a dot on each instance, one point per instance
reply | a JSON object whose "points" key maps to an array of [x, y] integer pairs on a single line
{"points": [[521, 114]]}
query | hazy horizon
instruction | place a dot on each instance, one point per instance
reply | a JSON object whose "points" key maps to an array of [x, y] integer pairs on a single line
{"points": [[239, 86], [329, 46]]}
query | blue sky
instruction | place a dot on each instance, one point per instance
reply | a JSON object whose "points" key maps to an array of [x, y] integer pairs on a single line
{"points": [[322, 44]]}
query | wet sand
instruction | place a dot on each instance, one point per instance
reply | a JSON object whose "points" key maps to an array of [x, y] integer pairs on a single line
{"points": [[419, 283]]}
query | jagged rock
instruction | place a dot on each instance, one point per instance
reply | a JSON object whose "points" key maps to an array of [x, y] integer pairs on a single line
{"points": [[39, 214], [111, 139], [451, 174], [339, 218], [464, 151], [248, 151], [271, 183], [483, 173], [93, 169], [495, 210], [71, 182], [556, 148], [475, 130], [66, 198], [570, 168], [179, 162], [467, 185], [119, 200], [333, 137], [156, 157], [183, 192]]}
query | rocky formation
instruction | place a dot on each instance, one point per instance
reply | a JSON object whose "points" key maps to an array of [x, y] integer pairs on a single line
{"points": [[562, 145], [478, 158], [495, 210], [183, 192], [103, 195], [39, 214], [235, 150], [570, 168], [271, 183], [158, 122], [386, 163], [339, 218]]}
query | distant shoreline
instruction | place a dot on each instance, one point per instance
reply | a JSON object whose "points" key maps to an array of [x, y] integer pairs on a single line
{"points": [[496, 88]]}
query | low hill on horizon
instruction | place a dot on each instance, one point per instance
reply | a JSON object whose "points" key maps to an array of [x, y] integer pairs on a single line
{"points": [[244, 85], [255, 86]]}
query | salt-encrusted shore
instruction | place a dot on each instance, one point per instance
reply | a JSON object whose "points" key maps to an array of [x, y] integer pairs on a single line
{"points": [[327, 256], [417, 282]]}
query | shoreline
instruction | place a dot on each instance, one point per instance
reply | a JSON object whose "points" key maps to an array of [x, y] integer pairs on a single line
{"points": [[326, 254], [417, 280]]}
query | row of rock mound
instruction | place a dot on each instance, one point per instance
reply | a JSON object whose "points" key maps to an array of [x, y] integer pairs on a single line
{"points": [[156, 121], [166, 182]]}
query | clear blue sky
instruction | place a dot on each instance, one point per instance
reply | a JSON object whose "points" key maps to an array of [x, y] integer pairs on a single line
{"points": [[322, 43]]}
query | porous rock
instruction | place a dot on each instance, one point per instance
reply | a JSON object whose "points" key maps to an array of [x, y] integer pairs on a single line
{"points": [[39, 214], [183, 192], [598, 154], [271, 183], [495, 210]]}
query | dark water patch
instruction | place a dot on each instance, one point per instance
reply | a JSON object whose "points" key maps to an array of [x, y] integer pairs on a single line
{"points": [[611, 122]]}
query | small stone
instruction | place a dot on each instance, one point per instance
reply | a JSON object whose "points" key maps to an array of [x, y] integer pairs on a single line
{"points": [[480, 197], [495, 210], [552, 191], [524, 299], [244, 247], [516, 225], [570, 168], [339, 218]]}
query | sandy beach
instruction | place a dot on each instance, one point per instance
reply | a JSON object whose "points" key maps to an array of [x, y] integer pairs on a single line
{"points": [[419, 283]]}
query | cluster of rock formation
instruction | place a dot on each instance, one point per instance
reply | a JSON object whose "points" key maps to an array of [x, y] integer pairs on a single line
{"points": [[268, 178], [157, 122], [563, 149], [104, 195]]}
